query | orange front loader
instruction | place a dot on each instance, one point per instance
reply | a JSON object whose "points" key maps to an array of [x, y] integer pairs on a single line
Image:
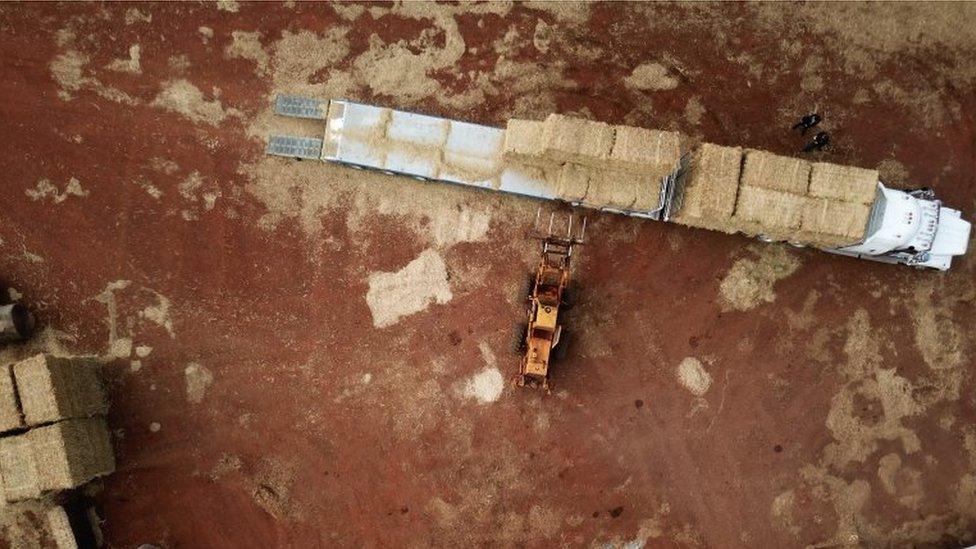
{"points": [[548, 296]]}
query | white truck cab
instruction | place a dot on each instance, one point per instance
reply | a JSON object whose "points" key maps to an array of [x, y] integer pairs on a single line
{"points": [[913, 228]]}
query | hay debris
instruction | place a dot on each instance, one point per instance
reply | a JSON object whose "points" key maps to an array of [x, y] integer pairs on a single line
{"points": [[772, 210], [766, 170], [848, 183]]}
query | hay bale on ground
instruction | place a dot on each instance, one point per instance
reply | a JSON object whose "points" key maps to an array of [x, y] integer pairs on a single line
{"points": [[652, 152], [10, 417], [577, 140], [59, 527], [18, 469], [765, 170], [54, 388], [71, 452], [847, 183], [574, 180], [523, 140], [843, 222], [771, 210]]}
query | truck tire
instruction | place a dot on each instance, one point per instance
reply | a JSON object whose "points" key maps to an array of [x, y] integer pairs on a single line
{"points": [[568, 299], [559, 352], [521, 345]]}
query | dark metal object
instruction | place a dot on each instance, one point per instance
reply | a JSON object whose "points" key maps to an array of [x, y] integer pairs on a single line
{"points": [[807, 122], [820, 141], [16, 323]]}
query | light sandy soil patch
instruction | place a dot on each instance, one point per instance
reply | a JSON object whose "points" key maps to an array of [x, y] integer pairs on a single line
{"points": [[694, 377], [159, 314], [118, 347], [487, 385], [198, 380], [182, 97], [68, 70], [651, 77], [131, 65], [247, 45], [392, 296], [45, 189], [135, 15]]}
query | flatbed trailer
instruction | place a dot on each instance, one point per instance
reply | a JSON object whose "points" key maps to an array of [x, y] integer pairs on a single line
{"points": [[905, 227]]}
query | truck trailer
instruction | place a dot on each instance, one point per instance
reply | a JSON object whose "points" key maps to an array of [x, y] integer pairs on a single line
{"points": [[643, 173]]}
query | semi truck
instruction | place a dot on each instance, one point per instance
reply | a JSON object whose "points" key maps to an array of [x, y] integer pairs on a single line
{"points": [[908, 227]]}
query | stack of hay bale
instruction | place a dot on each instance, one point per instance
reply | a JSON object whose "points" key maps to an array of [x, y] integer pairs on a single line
{"points": [[593, 163], [54, 434], [782, 198]]}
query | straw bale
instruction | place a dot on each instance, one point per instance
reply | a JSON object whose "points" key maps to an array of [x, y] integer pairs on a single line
{"points": [[766, 170], [523, 140], [577, 140], [772, 210], [574, 180], [55, 388], [847, 183], [10, 417], [72, 452], [653, 152], [845, 220], [18, 469]]}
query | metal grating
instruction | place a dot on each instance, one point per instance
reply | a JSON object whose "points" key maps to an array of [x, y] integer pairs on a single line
{"points": [[295, 147], [300, 107]]}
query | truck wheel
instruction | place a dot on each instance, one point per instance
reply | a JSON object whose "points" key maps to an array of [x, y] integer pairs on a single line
{"points": [[568, 300], [521, 345], [529, 286], [559, 351]]}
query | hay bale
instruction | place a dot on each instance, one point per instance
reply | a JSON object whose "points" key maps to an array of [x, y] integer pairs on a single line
{"points": [[765, 170], [702, 223], [819, 240], [54, 388], [652, 152], [71, 452], [843, 222], [648, 196], [614, 189], [771, 210], [59, 528], [577, 140], [847, 183], [523, 140], [18, 469], [574, 180], [10, 417], [710, 186]]}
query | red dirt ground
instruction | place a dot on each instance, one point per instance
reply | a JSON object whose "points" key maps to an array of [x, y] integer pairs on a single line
{"points": [[292, 444]]}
